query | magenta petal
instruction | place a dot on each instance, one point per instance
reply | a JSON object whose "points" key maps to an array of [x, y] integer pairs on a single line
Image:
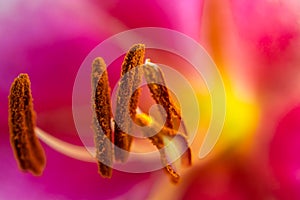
{"points": [[64, 178], [284, 155], [270, 35], [43, 40], [270, 25], [179, 15], [230, 177]]}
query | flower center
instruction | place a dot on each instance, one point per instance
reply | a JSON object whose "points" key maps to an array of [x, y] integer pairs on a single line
{"points": [[112, 136]]}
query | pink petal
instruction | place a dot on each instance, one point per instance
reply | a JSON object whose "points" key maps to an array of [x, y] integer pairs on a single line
{"points": [[284, 155]]}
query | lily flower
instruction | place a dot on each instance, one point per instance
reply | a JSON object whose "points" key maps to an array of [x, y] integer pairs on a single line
{"points": [[253, 43]]}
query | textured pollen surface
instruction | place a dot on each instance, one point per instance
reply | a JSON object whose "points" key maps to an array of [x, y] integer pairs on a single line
{"points": [[26, 146], [127, 100], [102, 117], [161, 95]]}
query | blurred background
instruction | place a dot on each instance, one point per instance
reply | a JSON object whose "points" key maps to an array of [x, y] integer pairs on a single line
{"points": [[255, 45]]}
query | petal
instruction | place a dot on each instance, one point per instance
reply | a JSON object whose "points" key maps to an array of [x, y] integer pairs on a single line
{"points": [[284, 155]]}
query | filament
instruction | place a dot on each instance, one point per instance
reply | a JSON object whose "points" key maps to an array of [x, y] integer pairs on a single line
{"points": [[70, 150]]}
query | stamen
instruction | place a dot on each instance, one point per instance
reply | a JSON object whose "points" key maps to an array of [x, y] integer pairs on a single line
{"points": [[143, 119], [169, 169], [30, 154], [160, 93], [131, 78], [140, 53], [27, 149], [82, 153], [157, 140], [73, 151], [102, 117]]}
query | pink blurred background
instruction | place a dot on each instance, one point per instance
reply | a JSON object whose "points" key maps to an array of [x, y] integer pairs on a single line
{"points": [[255, 45]]}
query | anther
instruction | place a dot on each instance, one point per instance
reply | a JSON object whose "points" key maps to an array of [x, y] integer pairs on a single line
{"points": [[102, 117], [160, 93], [128, 93], [26, 146]]}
